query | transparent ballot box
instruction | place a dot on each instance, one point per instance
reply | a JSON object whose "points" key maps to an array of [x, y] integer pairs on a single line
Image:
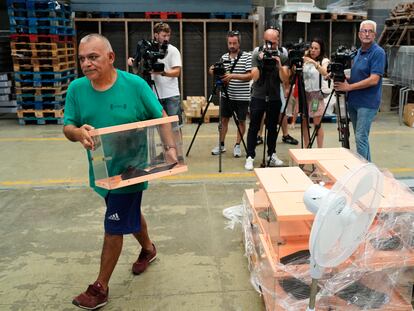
{"points": [[136, 152]]}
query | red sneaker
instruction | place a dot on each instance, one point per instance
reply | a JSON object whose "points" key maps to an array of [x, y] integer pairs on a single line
{"points": [[94, 297], [143, 261]]}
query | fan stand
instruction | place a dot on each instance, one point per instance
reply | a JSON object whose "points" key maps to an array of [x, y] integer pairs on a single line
{"points": [[313, 292], [316, 272]]}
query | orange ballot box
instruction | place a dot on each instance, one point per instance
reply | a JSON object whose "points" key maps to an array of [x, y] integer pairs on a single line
{"points": [[336, 168], [284, 189], [283, 179], [137, 152], [311, 156]]}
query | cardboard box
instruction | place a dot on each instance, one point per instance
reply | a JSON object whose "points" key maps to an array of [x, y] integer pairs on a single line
{"points": [[409, 115]]}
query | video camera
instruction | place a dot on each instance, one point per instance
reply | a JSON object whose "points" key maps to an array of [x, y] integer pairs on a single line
{"points": [[341, 60], [268, 55], [296, 53], [150, 52], [220, 69]]}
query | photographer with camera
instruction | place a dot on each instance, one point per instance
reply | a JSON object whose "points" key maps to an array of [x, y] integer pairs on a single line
{"points": [[236, 79], [364, 86], [165, 81], [269, 70], [314, 70]]}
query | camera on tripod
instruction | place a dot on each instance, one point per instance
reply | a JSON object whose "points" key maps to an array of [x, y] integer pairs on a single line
{"points": [[268, 55], [296, 53], [341, 60], [220, 69], [150, 52]]}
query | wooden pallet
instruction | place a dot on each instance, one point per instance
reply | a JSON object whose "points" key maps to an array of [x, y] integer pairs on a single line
{"points": [[335, 16], [32, 98], [207, 119], [43, 53], [41, 105], [397, 35], [41, 45], [41, 38], [5, 90], [44, 84], [33, 76], [40, 121], [402, 9], [45, 60], [47, 113], [36, 67], [41, 90]]}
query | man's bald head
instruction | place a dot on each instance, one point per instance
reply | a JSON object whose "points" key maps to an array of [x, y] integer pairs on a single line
{"points": [[272, 35], [96, 36]]}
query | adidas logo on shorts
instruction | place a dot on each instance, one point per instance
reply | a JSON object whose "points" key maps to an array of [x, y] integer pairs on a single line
{"points": [[114, 217]]}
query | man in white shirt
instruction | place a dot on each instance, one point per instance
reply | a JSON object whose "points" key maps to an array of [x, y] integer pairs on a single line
{"points": [[166, 82]]}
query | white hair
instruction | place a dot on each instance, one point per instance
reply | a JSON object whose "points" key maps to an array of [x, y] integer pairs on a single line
{"points": [[91, 36], [369, 22]]}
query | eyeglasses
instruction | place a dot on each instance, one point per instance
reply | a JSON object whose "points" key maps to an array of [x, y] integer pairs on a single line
{"points": [[367, 31], [233, 33]]}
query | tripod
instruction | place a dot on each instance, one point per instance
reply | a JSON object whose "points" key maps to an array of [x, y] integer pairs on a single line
{"points": [[342, 121], [303, 105], [146, 75], [222, 89]]}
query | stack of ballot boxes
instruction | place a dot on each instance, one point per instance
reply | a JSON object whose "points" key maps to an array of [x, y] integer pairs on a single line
{"points": [[277, 225]]}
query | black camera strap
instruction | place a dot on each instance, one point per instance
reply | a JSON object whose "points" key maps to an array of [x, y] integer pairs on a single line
{"points": [[235, 62]]}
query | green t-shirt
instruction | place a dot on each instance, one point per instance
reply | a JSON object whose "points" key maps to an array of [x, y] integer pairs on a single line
{"points": [[129, 100]]}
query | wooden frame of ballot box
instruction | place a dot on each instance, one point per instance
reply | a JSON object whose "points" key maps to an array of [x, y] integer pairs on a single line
{"points": [[149, 144]]}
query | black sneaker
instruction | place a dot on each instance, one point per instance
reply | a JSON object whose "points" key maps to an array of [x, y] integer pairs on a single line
{"points": [[259, 140], [289, 140]]}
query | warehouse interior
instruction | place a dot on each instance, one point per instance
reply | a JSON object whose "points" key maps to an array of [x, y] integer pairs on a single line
{"points": [[214, 253]]}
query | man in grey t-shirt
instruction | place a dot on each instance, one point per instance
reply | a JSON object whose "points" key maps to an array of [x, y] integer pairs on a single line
{"points": [[266, 98]]}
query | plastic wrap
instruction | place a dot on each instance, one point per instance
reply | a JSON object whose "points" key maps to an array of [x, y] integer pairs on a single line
{"points": [[399, 59], [373, 278], [359, 7], [234, 214]]}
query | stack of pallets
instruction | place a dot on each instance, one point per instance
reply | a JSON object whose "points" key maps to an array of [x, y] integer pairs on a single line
{"points": [[194, 107], [399, 27], [43, 52], [7, 101]]}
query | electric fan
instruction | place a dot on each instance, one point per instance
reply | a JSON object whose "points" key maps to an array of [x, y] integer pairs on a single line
{"points": [[344, 215]]}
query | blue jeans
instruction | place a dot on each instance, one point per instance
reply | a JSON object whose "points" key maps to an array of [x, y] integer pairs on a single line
{"points": [[361, 119], [172, 106]]}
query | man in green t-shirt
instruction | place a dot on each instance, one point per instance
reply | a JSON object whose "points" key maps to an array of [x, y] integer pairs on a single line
{"points": [[106, 97]]}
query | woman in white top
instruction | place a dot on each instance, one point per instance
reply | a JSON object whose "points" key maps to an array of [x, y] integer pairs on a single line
{"points": [[314, 70]]}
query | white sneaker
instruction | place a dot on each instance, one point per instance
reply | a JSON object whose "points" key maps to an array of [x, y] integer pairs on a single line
{"points": [[237, 151], [249, 164], [274, 160], [216, 150]]}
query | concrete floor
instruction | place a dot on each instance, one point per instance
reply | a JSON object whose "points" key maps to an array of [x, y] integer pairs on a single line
{"points": [[51, 222]]}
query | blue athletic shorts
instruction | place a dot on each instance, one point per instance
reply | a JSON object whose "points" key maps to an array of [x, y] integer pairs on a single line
{"points": [[123, 213]]}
